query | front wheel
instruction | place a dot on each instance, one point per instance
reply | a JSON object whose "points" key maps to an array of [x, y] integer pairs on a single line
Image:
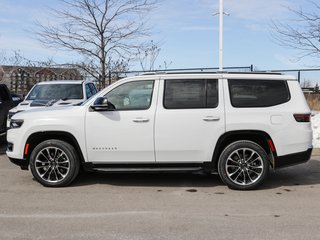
{"points": [[54, 163], [243, 165]]}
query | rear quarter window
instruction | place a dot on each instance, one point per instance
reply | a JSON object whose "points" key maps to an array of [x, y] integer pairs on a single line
{"points": [[258, 93]]}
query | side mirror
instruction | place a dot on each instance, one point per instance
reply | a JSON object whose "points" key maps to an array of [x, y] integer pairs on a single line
{"points": [[102, 104]]}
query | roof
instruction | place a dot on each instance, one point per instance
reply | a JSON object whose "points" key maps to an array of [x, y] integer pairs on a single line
{"points": [[203, 75], [61, 82]]}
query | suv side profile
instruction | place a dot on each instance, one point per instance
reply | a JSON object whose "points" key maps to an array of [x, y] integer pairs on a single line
{"points": [[236, 124]]}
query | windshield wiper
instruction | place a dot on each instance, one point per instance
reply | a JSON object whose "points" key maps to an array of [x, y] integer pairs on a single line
{"points": [[50, 103]]}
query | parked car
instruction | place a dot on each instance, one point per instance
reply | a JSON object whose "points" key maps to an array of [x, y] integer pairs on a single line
{"points": [[58, 93], [236, 124], [6, 103]]}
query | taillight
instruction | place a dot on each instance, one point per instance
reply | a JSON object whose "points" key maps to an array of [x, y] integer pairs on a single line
{"points": [[302, 117]]}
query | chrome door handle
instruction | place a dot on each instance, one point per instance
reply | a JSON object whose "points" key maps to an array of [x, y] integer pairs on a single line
{"points": [[211, 119], [140, 120]]}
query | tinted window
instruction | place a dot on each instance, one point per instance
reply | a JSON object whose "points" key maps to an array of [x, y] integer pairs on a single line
{"points": [[132, 95], [184, 94], [93, 88], [258, 93], [88, 91]]}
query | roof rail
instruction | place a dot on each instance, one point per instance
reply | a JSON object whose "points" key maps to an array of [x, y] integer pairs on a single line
{"points": [[153, 73], [208, 72]]}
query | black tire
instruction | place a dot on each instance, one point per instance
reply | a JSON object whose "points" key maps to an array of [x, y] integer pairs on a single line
{"points": [[243, 165], [54, 163]]}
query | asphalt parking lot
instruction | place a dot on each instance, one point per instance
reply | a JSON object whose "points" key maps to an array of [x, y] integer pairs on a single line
{"points": [[160, 206]]}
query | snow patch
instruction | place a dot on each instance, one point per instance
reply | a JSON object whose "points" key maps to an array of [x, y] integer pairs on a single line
{"points": [[315, 121]]}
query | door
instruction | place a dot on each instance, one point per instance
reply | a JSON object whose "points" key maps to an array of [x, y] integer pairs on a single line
{"points": [[127, 133], [189, 119]]}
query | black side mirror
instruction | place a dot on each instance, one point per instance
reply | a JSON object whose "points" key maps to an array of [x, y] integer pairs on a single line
{"points": [[102, 104]]}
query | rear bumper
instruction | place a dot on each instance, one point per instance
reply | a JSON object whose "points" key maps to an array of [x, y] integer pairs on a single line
{"points": [[293, 159], [23, 163]]}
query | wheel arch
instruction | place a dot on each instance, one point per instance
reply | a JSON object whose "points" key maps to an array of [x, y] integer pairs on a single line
{"points": [[38, 137], [260, 137]]}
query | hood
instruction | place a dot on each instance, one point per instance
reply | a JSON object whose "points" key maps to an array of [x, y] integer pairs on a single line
{"points": [[30, 104], [45, 111]]}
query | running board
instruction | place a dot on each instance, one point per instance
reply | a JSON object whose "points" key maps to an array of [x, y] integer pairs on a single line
{"points": [[155, 167], [148, 169]]}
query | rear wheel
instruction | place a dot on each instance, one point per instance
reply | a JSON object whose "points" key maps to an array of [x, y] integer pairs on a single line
{"points": [[54, 163], [243, 165]]}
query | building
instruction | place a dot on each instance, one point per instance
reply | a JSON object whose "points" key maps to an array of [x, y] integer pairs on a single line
{"points": [[21, 79]]}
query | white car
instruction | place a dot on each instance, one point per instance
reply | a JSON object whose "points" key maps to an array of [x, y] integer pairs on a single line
{"points": [[55, 93], [236, 124]]}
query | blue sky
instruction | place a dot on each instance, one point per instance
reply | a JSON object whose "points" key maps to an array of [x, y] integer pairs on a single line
{"points": [[186, 29]]}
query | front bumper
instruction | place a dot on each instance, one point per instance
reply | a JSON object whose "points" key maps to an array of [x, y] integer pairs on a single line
{"points": [[293, 159], [23, 163]]}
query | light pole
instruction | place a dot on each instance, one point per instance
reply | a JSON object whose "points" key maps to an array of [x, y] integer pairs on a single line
{"points": [[220, 13], [221, 36]]}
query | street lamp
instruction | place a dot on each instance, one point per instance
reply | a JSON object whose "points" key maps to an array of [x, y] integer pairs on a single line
{"points": [[221, 13]]}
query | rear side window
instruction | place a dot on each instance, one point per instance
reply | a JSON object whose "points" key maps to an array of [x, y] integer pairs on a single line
{"points": [[88, 91], [258, 93], [189, 93], [93, 88]]}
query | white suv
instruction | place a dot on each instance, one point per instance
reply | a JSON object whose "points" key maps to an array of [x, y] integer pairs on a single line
{"points": [[55, 93], [236, 124]]}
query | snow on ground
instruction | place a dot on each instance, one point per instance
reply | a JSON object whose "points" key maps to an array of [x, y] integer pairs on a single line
{"points": [[315, 120]]}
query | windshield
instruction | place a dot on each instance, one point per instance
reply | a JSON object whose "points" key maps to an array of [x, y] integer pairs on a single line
{"points": [[56, 91]]}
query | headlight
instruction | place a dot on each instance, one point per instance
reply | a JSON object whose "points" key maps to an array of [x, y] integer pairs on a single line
{"points": [[10, 114], [16, 123]]}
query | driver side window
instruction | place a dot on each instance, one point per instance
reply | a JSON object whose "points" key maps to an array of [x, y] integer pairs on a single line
{"points": [[132, 95]]}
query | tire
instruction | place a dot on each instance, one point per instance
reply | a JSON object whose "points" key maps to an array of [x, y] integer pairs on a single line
{"points": [[54, 163], [243, 165]]}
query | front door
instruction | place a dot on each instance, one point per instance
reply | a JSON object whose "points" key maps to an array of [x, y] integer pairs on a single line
{"points": [[125, 134]]}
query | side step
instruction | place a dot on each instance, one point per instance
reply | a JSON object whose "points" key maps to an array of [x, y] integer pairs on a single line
{"points": [[147, 169], [156, 167]]}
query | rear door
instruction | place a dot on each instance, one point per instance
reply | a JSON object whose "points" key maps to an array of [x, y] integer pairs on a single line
{"points": [[189, 119]]}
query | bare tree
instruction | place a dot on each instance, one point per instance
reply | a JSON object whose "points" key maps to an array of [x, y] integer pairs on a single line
{"points": [[301, 33], [101, 31], [165, 65], [148, 56], [16, 58], [306, 83]]}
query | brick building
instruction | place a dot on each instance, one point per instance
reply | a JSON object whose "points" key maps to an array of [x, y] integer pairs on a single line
{"points": [[21, 79]]}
